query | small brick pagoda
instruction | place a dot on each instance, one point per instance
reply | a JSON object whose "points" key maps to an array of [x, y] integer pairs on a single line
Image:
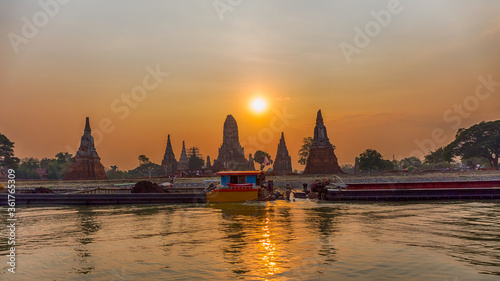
{"points": [[86, 163], [169, 164], [321, 159], [283, 162], [183, 164]]}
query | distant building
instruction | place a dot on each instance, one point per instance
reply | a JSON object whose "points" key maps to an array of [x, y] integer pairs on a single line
{"points": [[231, 154], [208, 164], [251, 163], [43, 173], [283, 161], [86, 163], [169, 164], [183, 164], [321, 159]]}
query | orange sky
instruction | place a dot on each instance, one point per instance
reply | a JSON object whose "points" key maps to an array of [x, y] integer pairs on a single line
{"points": [[400, 94]]}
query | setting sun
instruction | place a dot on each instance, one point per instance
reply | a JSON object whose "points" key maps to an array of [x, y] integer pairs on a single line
{"points": [[258, 105]]}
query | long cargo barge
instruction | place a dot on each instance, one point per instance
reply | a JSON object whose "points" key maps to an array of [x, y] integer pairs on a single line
{"points": [[425, 185], [413, 191], [102, 199], [416, 191]]}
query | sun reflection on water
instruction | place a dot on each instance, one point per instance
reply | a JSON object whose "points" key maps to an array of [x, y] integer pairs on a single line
{"points": [[269, 248]]}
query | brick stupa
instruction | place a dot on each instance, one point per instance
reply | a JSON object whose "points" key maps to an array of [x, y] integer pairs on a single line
{"points": [[283, 161], [86, 163], [208, 163], [231, 154], [251, 163], [321, 159], [169, 164]]}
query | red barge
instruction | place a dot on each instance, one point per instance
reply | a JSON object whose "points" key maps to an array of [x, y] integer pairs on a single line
{"points": [[413, 191]]}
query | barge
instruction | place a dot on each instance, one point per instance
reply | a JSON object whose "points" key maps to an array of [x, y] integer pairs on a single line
{"points": [[102, 199], [413, 191]]}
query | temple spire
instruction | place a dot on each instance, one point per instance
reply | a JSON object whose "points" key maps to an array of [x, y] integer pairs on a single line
{"points": [[319, 118], [283, 161], [183, 164], [86, 164], [169, 164], [87, 126], [169, 150], [322, 158], [320, 135], [231, 153]]}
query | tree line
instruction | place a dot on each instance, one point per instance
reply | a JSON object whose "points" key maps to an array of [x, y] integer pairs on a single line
{"points": [[476, 145]]}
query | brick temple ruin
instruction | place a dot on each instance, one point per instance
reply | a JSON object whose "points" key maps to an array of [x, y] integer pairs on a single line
{"points": [[169, 164], [283, 162], [321, 159], [86, 164], [231, 153], [183, 164]]}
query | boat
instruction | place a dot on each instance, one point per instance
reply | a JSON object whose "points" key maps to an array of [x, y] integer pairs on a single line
{"points": [[336, 190], [235, 186], [413, 191]]}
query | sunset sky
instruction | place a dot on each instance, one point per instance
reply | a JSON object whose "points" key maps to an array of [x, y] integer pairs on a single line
{"points": [[410, 84]]}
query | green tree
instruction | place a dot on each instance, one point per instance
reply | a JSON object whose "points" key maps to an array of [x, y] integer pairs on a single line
{"points": [[45, 163], [348, 168], [438, 156], [388, 165], [7, 158], [114, 173], [371, 160], [64, 157], [304, 150], [411, 161], [58, 166], [146, 169], [143, 159], [27, 168], [195, 160], [480, 140], [259, 157]]}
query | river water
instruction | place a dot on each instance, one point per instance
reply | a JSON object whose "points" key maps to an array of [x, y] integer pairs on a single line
{"points": [[280, 240]]}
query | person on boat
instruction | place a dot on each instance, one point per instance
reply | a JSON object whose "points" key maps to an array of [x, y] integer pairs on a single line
{"points": [[270, 185], [288, 192]]}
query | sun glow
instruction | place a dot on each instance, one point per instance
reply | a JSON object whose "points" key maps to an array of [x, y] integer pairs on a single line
{"points": [[258, 105]]}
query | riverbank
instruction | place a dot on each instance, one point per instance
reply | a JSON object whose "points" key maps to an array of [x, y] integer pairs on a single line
{"points": [[294, 181]]}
